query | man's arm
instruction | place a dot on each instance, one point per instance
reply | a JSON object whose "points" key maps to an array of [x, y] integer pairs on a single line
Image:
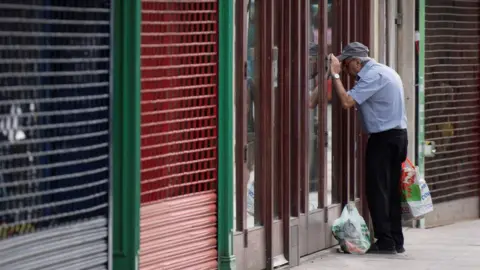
{"points": [[367, 86], [345, 99]]}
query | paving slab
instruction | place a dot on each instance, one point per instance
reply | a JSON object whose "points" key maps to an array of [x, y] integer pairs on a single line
{"points": [[452, 247]]}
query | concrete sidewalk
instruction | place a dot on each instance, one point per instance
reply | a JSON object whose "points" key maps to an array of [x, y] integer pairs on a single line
{"points": [[453, 247]]}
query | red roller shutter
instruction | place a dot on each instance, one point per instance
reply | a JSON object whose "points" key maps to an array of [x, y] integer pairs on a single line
{"points": [[179, 135]]}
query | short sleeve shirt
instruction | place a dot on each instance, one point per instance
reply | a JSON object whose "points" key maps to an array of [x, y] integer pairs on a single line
{"points": [[379, 97]]}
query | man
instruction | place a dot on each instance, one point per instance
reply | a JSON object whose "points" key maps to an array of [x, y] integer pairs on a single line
{"points": [[378, 95]]}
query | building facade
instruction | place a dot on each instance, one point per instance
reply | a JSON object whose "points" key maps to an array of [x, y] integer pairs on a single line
{"points": [[153, 134]]}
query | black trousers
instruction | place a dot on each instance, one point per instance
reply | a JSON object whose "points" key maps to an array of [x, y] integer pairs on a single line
{"points": [[386, 151]]}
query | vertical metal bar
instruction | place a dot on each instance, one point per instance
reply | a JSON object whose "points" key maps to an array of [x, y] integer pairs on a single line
{"points": [[298, 109], [354, 9], [359, 146], [337, 183], [285, 123], [225, 136], [421, 95], [421, 86], [126, 143], [303, 64], [241, 175], [361, 24], [260, 55], [322, 105], [345, 117], [277, 60], [266, 125]]}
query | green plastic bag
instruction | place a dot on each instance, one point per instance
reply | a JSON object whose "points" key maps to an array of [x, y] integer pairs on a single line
{"points": [[351, 231]]}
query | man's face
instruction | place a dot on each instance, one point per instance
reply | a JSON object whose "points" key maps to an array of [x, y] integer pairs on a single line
{"points": [[351, 66]]}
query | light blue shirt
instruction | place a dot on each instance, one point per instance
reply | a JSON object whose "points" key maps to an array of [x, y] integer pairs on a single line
{"points": [[380, 98]]}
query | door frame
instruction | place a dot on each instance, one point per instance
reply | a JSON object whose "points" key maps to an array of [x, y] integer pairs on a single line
{"points": [[253, 247]]}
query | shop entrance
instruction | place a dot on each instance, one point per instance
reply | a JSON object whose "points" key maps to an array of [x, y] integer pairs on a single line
{"points": [[296, 166]]}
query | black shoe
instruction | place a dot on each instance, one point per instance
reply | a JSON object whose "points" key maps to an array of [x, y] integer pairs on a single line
{"points": [[400, 249], [375, 249], [341, 250]]}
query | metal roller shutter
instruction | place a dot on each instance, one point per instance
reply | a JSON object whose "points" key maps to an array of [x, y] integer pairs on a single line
{"points": [[179, 135], [452, 97], [54, 134]]}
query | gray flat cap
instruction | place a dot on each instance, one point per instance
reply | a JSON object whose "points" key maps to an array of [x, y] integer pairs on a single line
{"points": [[354, 49]]}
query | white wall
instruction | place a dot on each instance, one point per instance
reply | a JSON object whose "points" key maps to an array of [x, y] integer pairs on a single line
{"points": [[396, 48], [406, 66]]}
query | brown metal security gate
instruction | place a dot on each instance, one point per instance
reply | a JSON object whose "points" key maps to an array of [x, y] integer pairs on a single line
{"points": [[452, 97], [178, 135], [291, 179]]}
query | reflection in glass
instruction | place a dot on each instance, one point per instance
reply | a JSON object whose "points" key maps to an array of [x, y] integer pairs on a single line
{"points": [[276, 136], [314, 170], [251, 222], [276, 94], [313, 148], [329, 110]]}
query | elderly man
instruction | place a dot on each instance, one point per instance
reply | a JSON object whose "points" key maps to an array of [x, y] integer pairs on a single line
{"points": [[378, 95]]}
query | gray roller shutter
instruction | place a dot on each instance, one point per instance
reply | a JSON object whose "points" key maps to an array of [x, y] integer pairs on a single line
{"points": [[54, 134]]}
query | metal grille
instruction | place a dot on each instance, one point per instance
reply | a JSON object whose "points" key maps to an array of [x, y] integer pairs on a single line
{"points": [[452, 107], [54, 133], [179, 98], [178, 135]]}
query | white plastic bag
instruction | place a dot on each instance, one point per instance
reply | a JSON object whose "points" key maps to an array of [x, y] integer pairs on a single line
{"points": [[351, 231], [416, 198], [251, 194]]}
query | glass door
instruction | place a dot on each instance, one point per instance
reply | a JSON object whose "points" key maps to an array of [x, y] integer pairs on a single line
{"points": [[323, 204], [259, 148], [293, 143], [334, 140]]}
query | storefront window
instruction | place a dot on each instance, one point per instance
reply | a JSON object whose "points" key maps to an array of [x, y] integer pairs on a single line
{"points": [[251, 89], [314, 90], [313, 154]]}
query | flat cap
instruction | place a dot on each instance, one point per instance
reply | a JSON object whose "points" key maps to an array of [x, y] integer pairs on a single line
{"points": [[354, 49]]}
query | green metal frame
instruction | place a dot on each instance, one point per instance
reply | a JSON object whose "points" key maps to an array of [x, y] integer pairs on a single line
{"points": [[421, 95], [226, 258], [421, 88], [126, 134]]}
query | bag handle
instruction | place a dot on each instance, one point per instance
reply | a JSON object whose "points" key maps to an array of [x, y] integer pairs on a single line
{"points": [[409, 163]]}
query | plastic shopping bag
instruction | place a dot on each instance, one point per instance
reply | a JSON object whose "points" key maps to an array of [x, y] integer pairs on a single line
{"points": [[351, 231], [251, 194], [416, 198]]}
